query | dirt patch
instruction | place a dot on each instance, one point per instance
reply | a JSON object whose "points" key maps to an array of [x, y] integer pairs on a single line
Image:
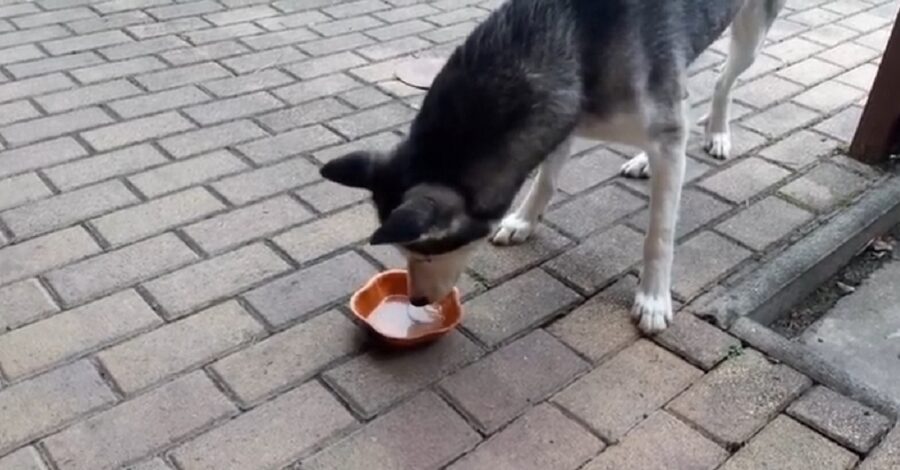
{"points": [[814, 306]]}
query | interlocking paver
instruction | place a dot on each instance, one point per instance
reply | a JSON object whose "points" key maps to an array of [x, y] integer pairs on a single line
{"points": [[90, 278], [283, 301], [542, 438], [26, 351], [494, 264], [295, 422], [214, 51], [599, 258], [123, 434], [781, 219], [179, 175], [328, 234], [824, 187], [40, 254], [257, 184], [54, 126], [22, 189], [211, 138], [87, 96], [236, 227], [786, 444], [594, 211], [85, 171], [739, 397], [137, 130], [202, 283], [17, 111], [99, 73], [178, 346], [495, 390], [421, 433], [53, 64], [36, 156], [697, 341], [26, 458], [42, 405], [22, 302], [369, 382], [186, 75], [157, 102], [661, 442], [745, 179], [289, 357], [887, 455], [848, 422]]}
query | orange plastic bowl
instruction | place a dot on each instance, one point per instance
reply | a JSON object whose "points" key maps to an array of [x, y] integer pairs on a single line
{"points": [[394, 282]]}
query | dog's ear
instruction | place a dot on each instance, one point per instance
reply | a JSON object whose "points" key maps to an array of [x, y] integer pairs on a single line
{"points": [[356, 170], [407, 223]]}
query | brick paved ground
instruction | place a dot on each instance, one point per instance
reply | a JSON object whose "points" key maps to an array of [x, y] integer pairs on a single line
{"points": [[173, 272]]}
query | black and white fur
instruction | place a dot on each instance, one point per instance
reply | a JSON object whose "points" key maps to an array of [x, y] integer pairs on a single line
{"points": [[508, 100]]}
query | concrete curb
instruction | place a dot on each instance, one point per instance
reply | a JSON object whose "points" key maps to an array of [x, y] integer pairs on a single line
{"points": [[776, 285]]}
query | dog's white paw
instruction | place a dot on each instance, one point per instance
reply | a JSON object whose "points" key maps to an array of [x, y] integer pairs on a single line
{"points": [[637, 167], [718, 144], [513, 230], [653, 313]]}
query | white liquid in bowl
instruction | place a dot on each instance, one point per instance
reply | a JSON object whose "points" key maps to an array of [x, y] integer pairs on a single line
{"points": [[395, 317]]}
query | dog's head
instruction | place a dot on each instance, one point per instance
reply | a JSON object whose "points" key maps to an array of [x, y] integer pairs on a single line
{"points": [[427, 220]]}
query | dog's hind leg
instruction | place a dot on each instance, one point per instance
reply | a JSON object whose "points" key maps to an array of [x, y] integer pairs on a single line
{"points": [[517, 226], [748, 30], [666, 156]]}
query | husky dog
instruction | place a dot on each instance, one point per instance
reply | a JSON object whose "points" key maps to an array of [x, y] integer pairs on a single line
{"points": [[509, 99]]}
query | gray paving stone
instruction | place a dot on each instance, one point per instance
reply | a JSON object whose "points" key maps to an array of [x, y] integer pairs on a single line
{"points": [[15, 38], [179, 346], [398, 30], [781, 219], [93, 169], [256, 81], [328, 234], [848, 422], [765, 91], [17, 111], [793, 49], [54, 126], [299, 294], [22, 189], [661, 442], [241, 225], [848, 55], [843, 125], [372, 120], [211, 35], [145, 47], [23, 302], [298, 421], [703, 259], [799, 149], [594, 211], [620, 393], [26, 458], [181, 76], [153, 464], [85, 42], [421, 433], [40, 18], [346, 25], [136, 130], [588, 170], [825, 187], [42, 405], [780, 119], [599, 258], [284, 21], [315, 88], [214, 51], [282, 38], [39, 155], [810, 71], [745, 179], [53, 64], [113, 270], [495, 263], [326, 197], [496, 389], [697, 341], [43, 253], [26, 351], [378, 142], [67, 208], [739, 397], [887, 455], [239, 15], [179, 175], [211, 138], [368, 382], [203, 283], [184, 9], [516, 306], [787, 444], [257, 184], [861, 77], [123, 434], [111, 6], [233, 108], [157, 215], [33, 86], [87, 96], [112, 21], [325, 65], [289, 357], [124, 68], [293, 142], [152, 103], [543, 438], [601, 326], [305, 115], [176, 26], [828, 96]]}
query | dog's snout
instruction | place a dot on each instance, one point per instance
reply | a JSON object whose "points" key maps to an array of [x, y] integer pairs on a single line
{"points": [[419, 301]]}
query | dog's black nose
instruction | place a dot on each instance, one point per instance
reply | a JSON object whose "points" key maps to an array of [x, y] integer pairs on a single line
{"points": [[419, 301]]}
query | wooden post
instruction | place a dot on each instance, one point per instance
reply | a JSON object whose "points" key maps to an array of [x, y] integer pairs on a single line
{"points": [[878, 132]]}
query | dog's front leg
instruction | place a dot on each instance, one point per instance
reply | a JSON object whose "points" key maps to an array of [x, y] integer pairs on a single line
{"points": [[653, 301], [518, 225]]}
